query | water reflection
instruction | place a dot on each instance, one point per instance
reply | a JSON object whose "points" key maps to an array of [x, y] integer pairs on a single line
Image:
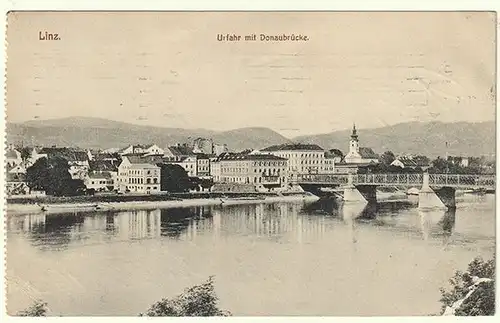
{"points": [[437, 223], [270, 250], [281, 222], [185, 222], [273, 221], [54, 232], [111, 222]]}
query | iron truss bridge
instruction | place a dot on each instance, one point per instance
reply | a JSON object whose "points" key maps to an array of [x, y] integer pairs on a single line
{"points": [[405, 180]]}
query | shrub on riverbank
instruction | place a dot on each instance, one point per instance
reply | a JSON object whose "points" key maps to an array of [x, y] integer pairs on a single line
{"points": [[199, 300], [38, 308], [472, 292]]}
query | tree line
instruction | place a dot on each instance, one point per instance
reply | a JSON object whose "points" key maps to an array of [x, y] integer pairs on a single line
{"points": [[52, 176], [438, 165]]}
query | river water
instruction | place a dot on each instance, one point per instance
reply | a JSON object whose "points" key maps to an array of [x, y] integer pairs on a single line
{"points": [[275, 259]]}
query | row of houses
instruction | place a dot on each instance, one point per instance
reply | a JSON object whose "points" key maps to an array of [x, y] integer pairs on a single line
{"points": [[137, 168], [100, 170]]}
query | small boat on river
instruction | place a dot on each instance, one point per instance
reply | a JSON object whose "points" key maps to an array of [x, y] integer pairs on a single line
{"points": [[242, 200], [75, 207]]}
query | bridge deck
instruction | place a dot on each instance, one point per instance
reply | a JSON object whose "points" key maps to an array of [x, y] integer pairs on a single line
{"points": [[407, 180]]}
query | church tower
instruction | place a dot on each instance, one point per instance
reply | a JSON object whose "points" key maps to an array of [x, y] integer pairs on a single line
{"points": [[354, 142]]}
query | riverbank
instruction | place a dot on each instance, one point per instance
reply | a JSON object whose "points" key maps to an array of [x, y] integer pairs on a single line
{"points": [[51, 204]]}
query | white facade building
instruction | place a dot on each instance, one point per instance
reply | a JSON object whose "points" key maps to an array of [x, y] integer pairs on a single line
{"points": [[302, 158], [215, 170], [100, 181], [138, 177], [189, 164]]}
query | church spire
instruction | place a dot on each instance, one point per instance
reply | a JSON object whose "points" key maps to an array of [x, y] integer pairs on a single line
{"points": [[354, 135]]}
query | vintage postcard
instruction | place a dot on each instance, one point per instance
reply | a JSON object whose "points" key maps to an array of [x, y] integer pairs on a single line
{"points": [[250, 163]]}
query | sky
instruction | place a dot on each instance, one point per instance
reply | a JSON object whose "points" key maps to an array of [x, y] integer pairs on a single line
{"points": [[168, 69]]}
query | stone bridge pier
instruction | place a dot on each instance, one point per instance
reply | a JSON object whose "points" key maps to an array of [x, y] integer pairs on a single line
{"points": [[359, 193], [429, 198]]}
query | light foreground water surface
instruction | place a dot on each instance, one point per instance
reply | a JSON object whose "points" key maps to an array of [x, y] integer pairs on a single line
{"points": [[276, 259]]}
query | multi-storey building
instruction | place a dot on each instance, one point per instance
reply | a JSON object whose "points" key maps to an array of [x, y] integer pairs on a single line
{"points": [[102, 175], [178, 152], [215, 170], [183, 155], [259, 170], [202, 165], [302, 158], [141, 175], [99, 181], [189, 164]]}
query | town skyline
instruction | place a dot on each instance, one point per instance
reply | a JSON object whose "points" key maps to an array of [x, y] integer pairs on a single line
{"points": [[314, 163]]}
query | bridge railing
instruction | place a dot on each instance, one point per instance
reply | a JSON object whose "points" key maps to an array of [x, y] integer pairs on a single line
{"points": [[487, 181], [454, 180], [324, 178], [396, 179]]}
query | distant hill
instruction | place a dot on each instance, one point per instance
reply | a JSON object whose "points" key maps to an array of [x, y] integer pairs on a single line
{"points": [[428, 138], [464, 138], [253, 138], [99, 133]]}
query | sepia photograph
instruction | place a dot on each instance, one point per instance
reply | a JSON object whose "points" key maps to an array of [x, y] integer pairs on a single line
{"points": [[169, 163]]}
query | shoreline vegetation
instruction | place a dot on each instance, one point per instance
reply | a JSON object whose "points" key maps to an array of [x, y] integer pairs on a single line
{"points": [[198, 300], [109, 202], [472, 293]]}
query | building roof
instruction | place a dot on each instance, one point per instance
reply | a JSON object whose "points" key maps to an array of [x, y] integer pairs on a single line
{"points": [[237, 157], [100, 175], [137, 146], [185, 159], [105, 155], [293, 147], [144, 165], [112, 150], [102, 165], [66, 153], [412, 162], [366, 152], [181, 150], [140, 159], [343, 164]]}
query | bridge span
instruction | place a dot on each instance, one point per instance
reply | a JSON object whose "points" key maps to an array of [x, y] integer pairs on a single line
{"points": [[436, 190]]}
